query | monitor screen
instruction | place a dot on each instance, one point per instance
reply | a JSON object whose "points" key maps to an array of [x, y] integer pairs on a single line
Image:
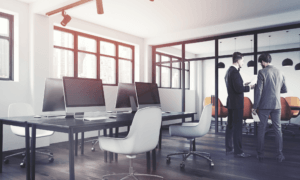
{"points": [[83, 92], [147, 93], [53, 95], [123, 97]]}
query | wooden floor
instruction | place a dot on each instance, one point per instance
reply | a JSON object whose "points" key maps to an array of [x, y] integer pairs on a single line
{"points": [[91, 166]]}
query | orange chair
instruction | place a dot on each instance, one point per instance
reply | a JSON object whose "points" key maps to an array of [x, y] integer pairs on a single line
{"points": [[293, 101], [286, 114], [247, 113], [222, 111]]}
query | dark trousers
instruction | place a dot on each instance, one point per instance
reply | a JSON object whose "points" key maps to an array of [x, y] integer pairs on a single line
{"points": [[263, 115], [234, 130]]}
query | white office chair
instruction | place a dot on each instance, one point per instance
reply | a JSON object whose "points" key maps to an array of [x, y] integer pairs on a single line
{"points": [[24, 109], [192, 131], [142, 137]]}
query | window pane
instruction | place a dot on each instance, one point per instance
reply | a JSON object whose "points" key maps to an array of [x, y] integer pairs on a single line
{"points": [[157, 58], [63, 39], [107, 48], [187, 79], [63, 63], [87, 65], [4, 58], [175, 78], [186, 65], [165, 77], [107, 70], [4, 27], [165, 59], [125, 71], [125, 52], [176, 65], [87, 44], [158, 76]]}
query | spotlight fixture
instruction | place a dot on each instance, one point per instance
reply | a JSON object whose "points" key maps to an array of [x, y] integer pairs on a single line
{"points": [[287, 62], [66, 19], [99, 5]]}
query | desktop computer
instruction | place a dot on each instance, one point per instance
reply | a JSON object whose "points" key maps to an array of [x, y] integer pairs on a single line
{"points": [[126, 97], [147, 94], [83, 95], [53, 103]]}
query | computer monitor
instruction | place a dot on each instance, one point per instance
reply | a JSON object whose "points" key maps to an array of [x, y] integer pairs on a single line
{"points": [[83, 95], [54, 97], [147, 94], [126, 97]]}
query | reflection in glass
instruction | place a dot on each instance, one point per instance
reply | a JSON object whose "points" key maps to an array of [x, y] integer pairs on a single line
{"points": [[125, 52], [63, 63], [165, 77], [4, 27], [87, 64], [86, 44], [202, 49], [240, 44], [107, 48], [4, 58], [125, 71], [158, 76], [175, 78], [63, 39], [107, 70]]}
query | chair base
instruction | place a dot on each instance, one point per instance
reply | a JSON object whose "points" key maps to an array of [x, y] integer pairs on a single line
{"points": [[185, 155], [131, 173]]}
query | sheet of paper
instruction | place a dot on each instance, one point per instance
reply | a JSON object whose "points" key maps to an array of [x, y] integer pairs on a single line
{"points": [[255, 117], [253, 80]]}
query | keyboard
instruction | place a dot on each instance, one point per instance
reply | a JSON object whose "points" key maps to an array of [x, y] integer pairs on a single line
{"points": [[95, 118]]}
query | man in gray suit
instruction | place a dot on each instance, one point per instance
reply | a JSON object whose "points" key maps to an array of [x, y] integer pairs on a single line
{"points": [[270, 83]]}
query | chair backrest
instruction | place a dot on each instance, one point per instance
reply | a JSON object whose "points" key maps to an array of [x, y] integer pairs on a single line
{"points": [[205, 120], [293, 101], [145, 129], [247, 108], [286, 112], [19, 109]]}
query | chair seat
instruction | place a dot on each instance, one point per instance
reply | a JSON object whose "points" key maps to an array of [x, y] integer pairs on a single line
{"points": [[187, 130], [20, 131]]}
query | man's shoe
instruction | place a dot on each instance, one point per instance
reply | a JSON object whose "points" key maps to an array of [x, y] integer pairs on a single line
{"points": [[243, 155], [260, 158], [280, 158], [229, 152]]}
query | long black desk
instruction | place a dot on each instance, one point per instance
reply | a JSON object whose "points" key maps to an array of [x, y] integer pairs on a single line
{"points": [[71, 126]]}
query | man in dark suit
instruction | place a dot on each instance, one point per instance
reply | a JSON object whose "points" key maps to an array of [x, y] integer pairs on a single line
{"points": [[270, 83], [235, 106]]}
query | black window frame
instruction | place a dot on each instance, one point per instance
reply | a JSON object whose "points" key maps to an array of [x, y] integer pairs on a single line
{"points": [[75, 50], [11, 45], [171, 57]]}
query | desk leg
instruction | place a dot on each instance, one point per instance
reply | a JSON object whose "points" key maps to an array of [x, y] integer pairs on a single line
{"points": [[111, 155], [27, 151], [148, 160], [154, 159], [71, 155], [116, 135], [82, 142], [32, 156], [1, 145], [76, 144], [159, 141], [105, 152]]}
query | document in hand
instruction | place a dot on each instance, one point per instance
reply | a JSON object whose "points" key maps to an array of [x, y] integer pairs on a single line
{"points": [[253, 80], [255, 117]]}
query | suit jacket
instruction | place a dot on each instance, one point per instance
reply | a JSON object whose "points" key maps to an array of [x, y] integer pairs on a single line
{"points": [[270, 83], [235, 89]]}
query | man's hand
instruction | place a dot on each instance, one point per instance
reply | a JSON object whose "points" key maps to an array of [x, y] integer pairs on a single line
{"points": [[252, 86], [254, 111], [247, 83]]}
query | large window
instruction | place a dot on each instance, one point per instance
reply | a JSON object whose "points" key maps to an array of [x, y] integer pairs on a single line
{"points": [[168, 71], [6, 46], [82, 55]]}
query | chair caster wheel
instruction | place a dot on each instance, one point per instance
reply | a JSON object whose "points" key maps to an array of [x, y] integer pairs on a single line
{"points": [[168, 159], [93, 149], [22, 165], [182, 165], [211, 164], [51, 159], [6, 161]]}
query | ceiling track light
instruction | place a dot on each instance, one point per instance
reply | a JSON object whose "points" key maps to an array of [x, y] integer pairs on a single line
{"points": [[221, 64], [66, 19], [251, 62]]}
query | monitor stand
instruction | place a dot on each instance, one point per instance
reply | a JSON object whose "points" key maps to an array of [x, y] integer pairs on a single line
{"points": [[73, 115]]}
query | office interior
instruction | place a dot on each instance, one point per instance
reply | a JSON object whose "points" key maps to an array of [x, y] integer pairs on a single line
{"points": [[34, 48]]}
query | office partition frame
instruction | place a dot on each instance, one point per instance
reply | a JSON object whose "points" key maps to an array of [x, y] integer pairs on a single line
{"points": [[255, 52]]}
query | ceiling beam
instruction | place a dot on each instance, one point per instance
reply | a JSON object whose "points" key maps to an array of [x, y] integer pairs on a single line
{"points": [[78, 3]]}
